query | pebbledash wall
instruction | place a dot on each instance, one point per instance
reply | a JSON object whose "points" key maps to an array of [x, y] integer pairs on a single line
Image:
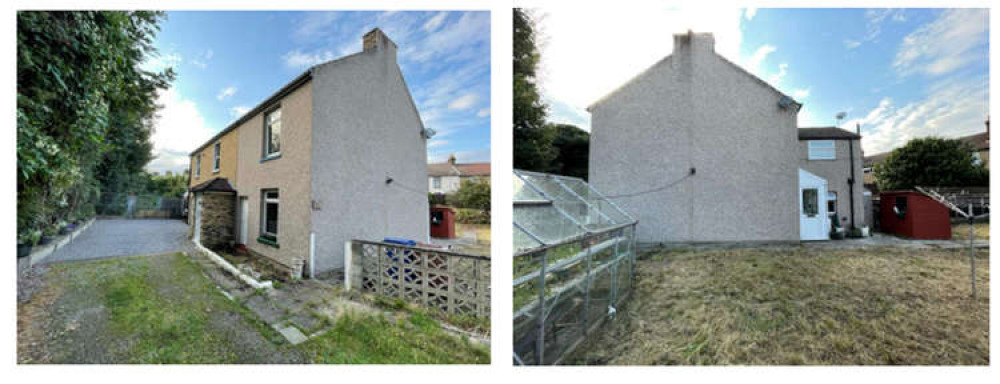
{"points": [[837, 172], [367, 132], [696, 110], [289, 174]]}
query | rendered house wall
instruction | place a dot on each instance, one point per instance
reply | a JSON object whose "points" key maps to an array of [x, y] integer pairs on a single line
{"points": [[365, 131], [696, 110], [289, 174], [836, 172]]}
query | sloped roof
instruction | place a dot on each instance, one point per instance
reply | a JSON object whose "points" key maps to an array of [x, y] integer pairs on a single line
{"points": [[458, 169], [218, 184], [798, 105], [827, 133]]}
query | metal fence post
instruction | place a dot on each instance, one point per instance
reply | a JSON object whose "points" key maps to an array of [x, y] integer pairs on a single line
{"points": [[972, 250], [588, 280], [540, 347]]}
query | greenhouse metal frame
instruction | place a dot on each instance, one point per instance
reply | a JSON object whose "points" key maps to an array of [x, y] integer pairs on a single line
{"points": [[574, 263]]}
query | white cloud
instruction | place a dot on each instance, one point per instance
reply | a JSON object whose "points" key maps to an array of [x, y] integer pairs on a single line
{"points": [[465, 101], [299, 59], [435, 22], [226, 92], [629, 40], [178, 129], [800, 94], [754, 61], [750, 13], [483, 112], [957, 38], [238, 110], [851, 44], [782, 71], [465, 156], [161, 62], [202, 60], [436, 143], [952, 108], [315, 25]]}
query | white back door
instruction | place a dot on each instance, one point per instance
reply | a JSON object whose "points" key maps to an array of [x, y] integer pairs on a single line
{"points": [[814, 224]]}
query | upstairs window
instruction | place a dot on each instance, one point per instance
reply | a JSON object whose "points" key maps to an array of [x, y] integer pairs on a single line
{"points": [[217, 157], [272, 133], [822, 150], [197, 166]]}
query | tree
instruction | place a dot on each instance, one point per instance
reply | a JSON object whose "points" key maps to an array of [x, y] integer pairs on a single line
{"points": [[573, 145], [533, 148], [84, 108], [474, 194], [931, 162]]}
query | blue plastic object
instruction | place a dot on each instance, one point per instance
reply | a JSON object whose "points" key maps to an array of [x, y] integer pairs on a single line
{"points": [[400, 241]]}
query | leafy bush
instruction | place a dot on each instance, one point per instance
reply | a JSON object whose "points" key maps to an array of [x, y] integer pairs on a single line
{"points": [[473, 194], [471, 216]]}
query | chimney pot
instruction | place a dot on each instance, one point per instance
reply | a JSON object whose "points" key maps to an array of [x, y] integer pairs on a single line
{"points": [[451, 159]]}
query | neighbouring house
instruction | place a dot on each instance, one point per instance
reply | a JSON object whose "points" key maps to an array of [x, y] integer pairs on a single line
{"points": [[447, 177], [332, 156], [700, 150], [979, 142]]}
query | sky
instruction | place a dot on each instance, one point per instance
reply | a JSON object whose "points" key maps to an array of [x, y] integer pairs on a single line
{"points": [[900, 73], [228, 62]]}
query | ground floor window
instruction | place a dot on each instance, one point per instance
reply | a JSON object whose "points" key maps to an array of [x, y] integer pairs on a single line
{"points": [[831, 203], [269, 215]]}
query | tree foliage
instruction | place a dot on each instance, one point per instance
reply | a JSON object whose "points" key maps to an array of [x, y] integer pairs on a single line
{"points": [[931, 162], [84, 109], [473, 193], [573, 146], [533, 148]]}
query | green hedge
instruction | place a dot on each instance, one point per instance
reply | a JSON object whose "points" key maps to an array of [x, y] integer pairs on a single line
{"points": [[471, 216]]}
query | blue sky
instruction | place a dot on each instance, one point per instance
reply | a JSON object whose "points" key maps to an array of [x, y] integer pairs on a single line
{"points": [[228, 62], [900, 73]]}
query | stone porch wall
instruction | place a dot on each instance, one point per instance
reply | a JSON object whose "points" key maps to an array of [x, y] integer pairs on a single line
{"points": [[218, 217]]}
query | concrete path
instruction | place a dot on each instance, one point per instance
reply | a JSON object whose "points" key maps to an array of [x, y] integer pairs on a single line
{"points": [[121, 237]]}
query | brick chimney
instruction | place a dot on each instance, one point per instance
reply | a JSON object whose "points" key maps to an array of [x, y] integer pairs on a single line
{"points": [[376, 41], [451, 159], [691, 41]]}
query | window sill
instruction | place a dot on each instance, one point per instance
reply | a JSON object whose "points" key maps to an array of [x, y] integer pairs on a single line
{"points": [[271, 157], [215, 171], [266, 241]]}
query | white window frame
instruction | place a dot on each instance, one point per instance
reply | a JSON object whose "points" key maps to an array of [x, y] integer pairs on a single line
{"points": [[822, 150], [197, 168], [265, 200], [436, 182], [217, 158], [267, 133]]}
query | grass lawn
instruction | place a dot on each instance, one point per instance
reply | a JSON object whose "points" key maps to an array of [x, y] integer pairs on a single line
{"points": [[800, 306], [163, 310], [961, 231]]}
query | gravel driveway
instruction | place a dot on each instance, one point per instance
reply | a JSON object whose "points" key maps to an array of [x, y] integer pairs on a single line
{"points": [[120, 237]]}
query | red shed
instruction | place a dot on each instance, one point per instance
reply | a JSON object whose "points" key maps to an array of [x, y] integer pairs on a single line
{"points": [[915, 215], [442, 222]]}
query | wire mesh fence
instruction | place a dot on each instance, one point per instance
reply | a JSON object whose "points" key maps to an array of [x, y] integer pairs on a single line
{"points": [[139, 206], [573, 264]]}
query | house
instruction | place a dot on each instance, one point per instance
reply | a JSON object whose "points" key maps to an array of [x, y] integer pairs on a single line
{"points": [[332, 156], [700, 150], [447, 177], [979, 142]]}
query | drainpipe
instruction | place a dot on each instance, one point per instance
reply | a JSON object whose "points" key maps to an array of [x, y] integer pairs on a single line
{"points": [[850, 182]]}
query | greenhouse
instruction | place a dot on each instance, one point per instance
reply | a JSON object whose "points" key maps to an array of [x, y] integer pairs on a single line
{"points": [[574, 254]]}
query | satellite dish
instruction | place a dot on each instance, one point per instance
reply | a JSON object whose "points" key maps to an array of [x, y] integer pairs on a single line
{"points": [[841, 115], [428, 133], [785, 102]]}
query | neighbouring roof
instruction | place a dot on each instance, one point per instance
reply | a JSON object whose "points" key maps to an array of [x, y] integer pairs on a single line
{"points": [[979, 142], [458, 169], [218, 184], [827, 133]]}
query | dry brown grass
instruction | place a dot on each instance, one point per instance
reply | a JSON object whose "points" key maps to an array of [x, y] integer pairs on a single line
{"points": [[788, 306], [961, 231]]}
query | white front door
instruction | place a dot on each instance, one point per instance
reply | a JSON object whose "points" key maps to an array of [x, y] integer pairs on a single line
{"points": [[197, 218], [244, 212], [814, 224]]}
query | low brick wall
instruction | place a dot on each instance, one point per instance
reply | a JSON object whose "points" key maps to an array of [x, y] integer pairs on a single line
{"points": [[218, 218]]}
